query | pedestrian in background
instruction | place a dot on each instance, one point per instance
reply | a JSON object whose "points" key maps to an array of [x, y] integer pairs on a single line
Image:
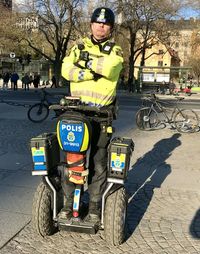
{"points": [[36, 80], [14, 79], [172, 87], [6, 78], [22, 79], [26, 81], [31, 79], [163, 88], [53, 82]]}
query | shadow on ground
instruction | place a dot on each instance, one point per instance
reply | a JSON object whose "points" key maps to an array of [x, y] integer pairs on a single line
{"points": [[195, 225], [147, 173]]}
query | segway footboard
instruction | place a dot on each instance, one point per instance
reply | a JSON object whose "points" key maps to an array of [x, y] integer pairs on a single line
{"points": [[78, 225]]}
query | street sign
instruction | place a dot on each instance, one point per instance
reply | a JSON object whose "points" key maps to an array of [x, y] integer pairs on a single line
{"points": [[12, 55]]}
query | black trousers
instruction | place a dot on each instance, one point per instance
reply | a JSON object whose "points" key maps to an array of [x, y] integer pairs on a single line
{"points": [[15, 85], [97, 166]]}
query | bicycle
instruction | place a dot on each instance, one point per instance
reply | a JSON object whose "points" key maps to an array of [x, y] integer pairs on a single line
{"points": [[39, 112], [149, 117]]}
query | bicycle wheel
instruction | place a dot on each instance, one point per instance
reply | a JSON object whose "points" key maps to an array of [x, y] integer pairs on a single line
{"points": [[186, 121], [147, 119], [38, 112]]}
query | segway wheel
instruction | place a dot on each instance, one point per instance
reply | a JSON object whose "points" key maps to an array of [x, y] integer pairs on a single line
{"points": [[42, 212], [115, 217]]}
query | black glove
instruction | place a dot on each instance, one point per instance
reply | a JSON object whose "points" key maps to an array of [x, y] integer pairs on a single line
{"points": [[96, 76]]}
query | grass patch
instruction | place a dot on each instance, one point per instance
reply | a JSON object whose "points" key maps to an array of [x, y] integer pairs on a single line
{"points": [[195, 89]]}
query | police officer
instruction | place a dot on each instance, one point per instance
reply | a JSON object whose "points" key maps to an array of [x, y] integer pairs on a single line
{"points": [[93, 68]]}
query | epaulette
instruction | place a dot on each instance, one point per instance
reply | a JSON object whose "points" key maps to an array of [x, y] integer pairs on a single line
{"points": [[107, 47]]}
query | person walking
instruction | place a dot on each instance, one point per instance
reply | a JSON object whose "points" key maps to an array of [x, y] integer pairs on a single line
{"points": [[26, 81], [14, 79], [22, 79], [36, 80], [93, 68], [53, 82], [31, 79], [172, 87], [6, 78]]}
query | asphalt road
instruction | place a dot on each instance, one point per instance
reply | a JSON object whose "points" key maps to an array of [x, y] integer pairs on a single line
{"points": [[124, 99]]}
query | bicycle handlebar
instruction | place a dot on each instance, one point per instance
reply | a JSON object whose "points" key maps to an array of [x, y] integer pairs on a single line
{"points": [[94, 113], [154, 98]]}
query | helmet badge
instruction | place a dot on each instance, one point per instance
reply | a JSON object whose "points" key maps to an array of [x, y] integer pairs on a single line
{"points": [[101, 17]]}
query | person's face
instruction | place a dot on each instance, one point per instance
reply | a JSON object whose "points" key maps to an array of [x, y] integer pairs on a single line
{"points": [[100, 31]]}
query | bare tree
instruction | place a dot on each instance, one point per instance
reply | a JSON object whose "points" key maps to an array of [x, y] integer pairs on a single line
{"points": [[11, 39], [48, 29], [194, 62], [143, 20], [193, 5]]}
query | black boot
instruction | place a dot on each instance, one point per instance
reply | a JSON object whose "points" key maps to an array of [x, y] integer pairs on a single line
{"points": [[94, 213], [66, 211]]}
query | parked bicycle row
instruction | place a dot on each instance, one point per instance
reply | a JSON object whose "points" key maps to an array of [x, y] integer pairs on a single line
{"points": [[156, 114]]}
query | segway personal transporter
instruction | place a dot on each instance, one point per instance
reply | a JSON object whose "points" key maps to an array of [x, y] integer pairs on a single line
{"points": [[72, 139]]}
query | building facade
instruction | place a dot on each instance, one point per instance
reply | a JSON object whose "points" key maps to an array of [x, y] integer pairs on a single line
{"points": [[170, 61], [182, 38]]}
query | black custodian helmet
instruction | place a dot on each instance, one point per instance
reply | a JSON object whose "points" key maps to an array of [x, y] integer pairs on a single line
{"points": [[103, 15]]}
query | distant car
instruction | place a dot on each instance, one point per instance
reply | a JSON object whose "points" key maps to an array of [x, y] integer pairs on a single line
{"points": [[186, 90]]}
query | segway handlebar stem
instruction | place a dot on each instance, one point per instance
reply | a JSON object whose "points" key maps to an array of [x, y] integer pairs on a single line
{"points": [[91, 111]]}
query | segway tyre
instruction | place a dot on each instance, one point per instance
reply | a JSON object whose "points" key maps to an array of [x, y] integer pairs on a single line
{"points": [[42, 212], [115, 217]]}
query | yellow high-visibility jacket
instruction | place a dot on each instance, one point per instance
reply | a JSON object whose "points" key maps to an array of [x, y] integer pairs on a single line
{"points": [[105, 60]]}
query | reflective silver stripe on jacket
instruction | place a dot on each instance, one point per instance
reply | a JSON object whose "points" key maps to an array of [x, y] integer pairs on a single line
{"points": [[94, 95], [81, 75], [89, 64], [71, 73], [100, 65]]}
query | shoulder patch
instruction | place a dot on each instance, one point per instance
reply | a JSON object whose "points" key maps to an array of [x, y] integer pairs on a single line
{"points": [[107, 47]]}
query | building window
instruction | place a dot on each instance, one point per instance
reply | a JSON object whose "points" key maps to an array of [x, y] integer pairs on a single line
{"points": [[160, 52], [160, 63]]}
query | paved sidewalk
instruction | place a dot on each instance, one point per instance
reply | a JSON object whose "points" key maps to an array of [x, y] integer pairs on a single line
{"points": [[164, 204]]}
